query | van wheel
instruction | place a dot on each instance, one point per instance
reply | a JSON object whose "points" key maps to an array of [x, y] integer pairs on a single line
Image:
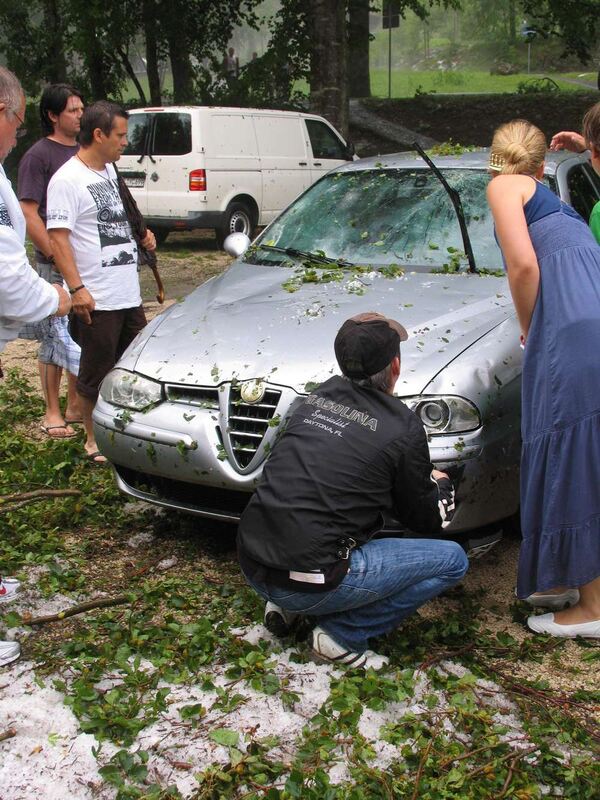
{"points": [[161, 235], [238, 218]]}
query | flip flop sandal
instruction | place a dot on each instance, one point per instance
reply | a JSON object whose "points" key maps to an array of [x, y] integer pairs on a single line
{"points": [[73, 421], [47, 428], [96, 459]]}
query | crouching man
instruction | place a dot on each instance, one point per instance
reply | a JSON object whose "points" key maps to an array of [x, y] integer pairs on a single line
{"points": [[349, 452]]}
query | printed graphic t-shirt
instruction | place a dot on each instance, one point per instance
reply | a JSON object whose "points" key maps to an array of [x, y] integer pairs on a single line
{"points": [[87, 203]]}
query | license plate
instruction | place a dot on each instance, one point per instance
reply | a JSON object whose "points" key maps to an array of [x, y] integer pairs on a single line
{"points": [[134, 183]]}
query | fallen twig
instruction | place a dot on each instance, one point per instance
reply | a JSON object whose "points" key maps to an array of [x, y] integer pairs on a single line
{"points": [[24, 498], [509, 757], [101, 602], [509, 775], [7, 734]]}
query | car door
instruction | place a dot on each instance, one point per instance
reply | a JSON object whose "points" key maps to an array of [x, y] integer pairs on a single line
{"points": [[283, 161], [583, 186], [328, 149], [133, 164], [168, 165]]}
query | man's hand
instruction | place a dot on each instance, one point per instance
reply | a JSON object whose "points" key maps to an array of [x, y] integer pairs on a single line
{"points": [[438, 475], [149, 242], [568, 140], [83, 305], [64, 301]]}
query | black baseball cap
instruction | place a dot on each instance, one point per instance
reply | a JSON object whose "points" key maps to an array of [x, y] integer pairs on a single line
{"points": [[367, 343]]}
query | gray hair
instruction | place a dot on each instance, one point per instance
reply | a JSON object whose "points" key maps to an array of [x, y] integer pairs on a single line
{"points": [[11, 91], [382, 380]]}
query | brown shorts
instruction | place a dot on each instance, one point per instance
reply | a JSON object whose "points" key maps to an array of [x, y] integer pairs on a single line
{"points": [[103, 343]]}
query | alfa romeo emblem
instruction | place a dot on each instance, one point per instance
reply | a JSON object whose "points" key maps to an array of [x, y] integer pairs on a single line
{"points": [[253, 391]]}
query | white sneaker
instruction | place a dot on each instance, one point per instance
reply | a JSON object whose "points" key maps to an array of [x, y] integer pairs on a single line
{"points": [[553, 600], [277, 620], [9, 588], [544, 623], [9, 652], [326, 649]]}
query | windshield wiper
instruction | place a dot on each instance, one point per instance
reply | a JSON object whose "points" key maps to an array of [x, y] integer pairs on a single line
{"points": [[456, 202], [291, 251]]}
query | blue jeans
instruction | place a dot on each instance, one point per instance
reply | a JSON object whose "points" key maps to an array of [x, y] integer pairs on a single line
{"points": [[388, 580]]}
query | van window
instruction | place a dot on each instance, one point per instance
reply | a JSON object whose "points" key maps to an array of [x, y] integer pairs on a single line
{"points": [[172, 134], [324, 142], [582, 189], [137, 131]]}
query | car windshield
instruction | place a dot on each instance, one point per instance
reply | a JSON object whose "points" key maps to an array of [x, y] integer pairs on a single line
{"points": [[382, 217]]}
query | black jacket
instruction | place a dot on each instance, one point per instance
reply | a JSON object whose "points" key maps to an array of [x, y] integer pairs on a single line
{"points": [[348, 454]]}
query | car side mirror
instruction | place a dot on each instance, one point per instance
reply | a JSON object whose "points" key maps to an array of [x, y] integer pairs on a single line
{"points": [[236, 244], [350, 151]]}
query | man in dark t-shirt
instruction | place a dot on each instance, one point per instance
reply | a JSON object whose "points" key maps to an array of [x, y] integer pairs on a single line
{"points": [[350, 452], [61, 107]]}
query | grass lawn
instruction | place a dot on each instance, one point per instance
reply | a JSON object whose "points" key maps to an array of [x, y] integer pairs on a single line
{"points": [[405, 83]]}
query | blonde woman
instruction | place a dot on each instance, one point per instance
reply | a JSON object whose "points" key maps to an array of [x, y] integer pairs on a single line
{"points": [[553, 267]]}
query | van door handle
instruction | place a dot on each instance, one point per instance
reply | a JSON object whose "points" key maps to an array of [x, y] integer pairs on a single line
{"points": [[302, 163], [317, 164], [154, 176]]}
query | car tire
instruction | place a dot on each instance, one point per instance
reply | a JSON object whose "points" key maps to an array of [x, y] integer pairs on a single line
{"points": [[238, 218], [160, 235]]}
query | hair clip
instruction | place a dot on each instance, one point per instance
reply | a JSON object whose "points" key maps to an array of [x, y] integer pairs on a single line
{"points": [[496, 162]]}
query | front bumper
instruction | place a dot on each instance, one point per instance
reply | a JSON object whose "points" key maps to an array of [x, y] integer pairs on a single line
{"points": [[178, 457]]}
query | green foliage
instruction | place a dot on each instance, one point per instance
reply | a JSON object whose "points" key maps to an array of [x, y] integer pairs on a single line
{"points": [[118, 667], [538, 86]]}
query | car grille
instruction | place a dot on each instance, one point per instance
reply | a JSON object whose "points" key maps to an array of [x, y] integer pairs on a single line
{"points": [[202, 396], [248, 423]]}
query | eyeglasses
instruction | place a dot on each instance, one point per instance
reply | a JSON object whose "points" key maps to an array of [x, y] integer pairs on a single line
{"points": [[21, 131]]}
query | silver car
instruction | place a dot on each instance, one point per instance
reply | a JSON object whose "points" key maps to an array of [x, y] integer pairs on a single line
{"points": [[192, 410]]}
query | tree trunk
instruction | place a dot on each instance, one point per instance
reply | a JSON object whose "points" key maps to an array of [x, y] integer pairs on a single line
{"points": [[56, 69], [150, 22], [131, 72], [181, 69], [93, 55], [328, 86], [512, 22], [359, 84]]}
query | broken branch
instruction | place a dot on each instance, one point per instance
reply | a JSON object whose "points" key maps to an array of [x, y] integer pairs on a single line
{"points": [[102, 602]]}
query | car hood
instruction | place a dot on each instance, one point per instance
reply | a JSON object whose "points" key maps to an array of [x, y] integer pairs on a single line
{"points": [[244, 324]]}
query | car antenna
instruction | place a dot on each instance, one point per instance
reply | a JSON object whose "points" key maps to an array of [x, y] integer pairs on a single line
{"points": [[456, 202]]}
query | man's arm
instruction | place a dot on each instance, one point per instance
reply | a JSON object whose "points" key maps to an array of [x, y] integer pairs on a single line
{"points": [[83, 302], [36, 230], [424, 496], [568, 140]]}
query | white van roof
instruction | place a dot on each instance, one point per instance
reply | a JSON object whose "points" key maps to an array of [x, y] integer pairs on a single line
{"points": [[227, 109]]}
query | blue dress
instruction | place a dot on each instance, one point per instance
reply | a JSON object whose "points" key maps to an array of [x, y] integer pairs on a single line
{"points": [[560, 423]]}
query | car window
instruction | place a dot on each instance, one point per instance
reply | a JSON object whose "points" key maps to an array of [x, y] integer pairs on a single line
{"points": [[583, 190], [137, 131], [324, 142], [172, 134], [389, 216]]}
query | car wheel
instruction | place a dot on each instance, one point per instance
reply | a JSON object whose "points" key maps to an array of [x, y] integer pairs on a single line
{"points": [[160, 235], [238, 218]]}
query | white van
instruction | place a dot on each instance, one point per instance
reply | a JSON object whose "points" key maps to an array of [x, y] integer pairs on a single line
{"points": [[224, 168]]}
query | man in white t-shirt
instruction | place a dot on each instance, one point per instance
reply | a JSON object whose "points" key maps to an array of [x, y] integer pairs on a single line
{"points": [[96, 253], [24, 296]]}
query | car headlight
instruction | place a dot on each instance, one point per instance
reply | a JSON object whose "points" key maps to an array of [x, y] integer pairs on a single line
{"points": [[128, 390], [444, 413]]}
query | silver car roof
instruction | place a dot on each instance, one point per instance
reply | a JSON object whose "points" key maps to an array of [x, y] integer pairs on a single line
{"points": [[472, 159]]}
